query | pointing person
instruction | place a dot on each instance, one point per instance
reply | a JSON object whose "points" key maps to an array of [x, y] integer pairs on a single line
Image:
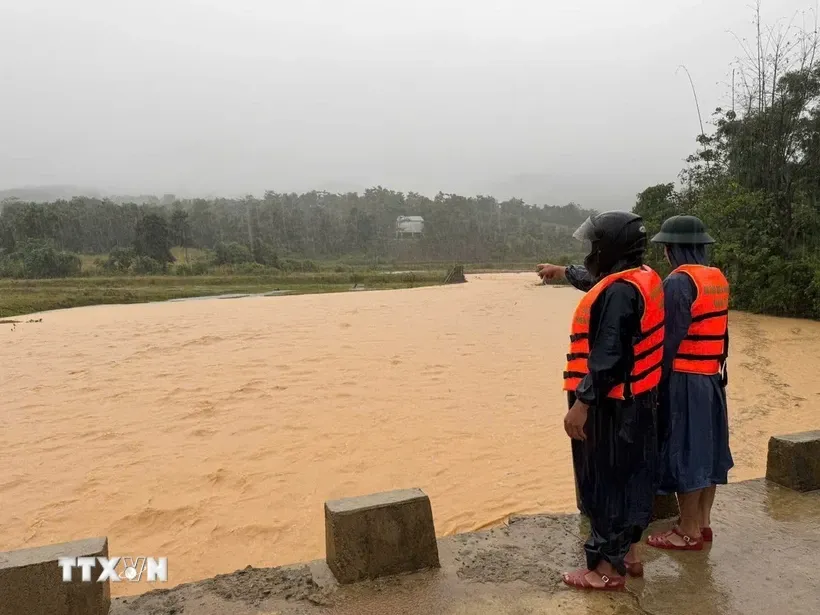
{"points": [[613, 369]]}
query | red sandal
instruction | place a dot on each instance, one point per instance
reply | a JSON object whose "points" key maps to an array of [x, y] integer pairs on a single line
{"points": [[706, 532], [661, 541], [578, 580], [634, 569]]}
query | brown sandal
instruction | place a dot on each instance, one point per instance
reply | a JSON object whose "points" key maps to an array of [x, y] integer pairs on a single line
{"points": [[706, 532], [578, 580], [661, 541]]}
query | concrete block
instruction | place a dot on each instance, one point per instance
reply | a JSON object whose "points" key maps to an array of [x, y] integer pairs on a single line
{"points": [[794, 461], [381, 534], [665, 507], [31, 582]]}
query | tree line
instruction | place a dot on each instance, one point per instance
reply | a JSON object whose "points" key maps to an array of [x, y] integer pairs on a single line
{"points": [[755, 179], [314, 225]]}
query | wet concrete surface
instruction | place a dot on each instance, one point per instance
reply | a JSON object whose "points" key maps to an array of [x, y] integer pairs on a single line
{"points": [[762, 561]]}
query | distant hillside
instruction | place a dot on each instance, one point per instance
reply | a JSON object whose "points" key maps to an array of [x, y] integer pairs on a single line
{"points": [[47, 194]]}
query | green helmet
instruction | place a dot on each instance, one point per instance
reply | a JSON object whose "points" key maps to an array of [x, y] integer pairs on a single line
{"points": [[683, 229]]}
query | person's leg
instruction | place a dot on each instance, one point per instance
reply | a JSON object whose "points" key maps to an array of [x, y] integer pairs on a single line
{"points": [[607, 548], [609, 540], [645, 482], [601, 490], [633, 555], [707, 499], [687, 532], [605, 562], [629, 467], [689, 514], [632, 561]]}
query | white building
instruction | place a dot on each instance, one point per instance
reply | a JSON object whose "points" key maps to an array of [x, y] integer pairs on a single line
{"points": [[409, 225]]}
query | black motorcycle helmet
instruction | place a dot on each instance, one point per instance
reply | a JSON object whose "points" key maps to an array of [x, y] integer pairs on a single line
{"points": [[616, 237]]}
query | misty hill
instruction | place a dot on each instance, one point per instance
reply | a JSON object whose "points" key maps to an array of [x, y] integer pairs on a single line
{"points": [[45, 194], [49, 194]]}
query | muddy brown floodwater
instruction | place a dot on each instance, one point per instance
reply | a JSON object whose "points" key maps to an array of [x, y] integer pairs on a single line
{"points": [[211, 432]]}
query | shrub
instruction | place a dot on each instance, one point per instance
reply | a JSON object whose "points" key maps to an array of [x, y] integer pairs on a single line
{"points": [[291, 265], [39, 259], [183, 269], [145, 265], [232, 253], [200, 267], [248, 269], [264, 254], [11, 267], [120, 260]]}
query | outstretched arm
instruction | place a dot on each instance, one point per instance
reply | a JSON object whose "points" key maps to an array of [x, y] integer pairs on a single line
{"points": [[579, 277], [576, 275]]}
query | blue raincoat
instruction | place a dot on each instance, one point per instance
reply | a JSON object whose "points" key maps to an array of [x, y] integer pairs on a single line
{"points": [[693, 418]]}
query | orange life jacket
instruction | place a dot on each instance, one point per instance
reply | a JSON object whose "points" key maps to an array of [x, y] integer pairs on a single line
{"points": [[703, 350], [648, 347]]}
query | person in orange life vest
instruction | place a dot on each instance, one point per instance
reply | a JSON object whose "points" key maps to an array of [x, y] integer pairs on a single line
{"points": [[695, 454], [613, 367]]}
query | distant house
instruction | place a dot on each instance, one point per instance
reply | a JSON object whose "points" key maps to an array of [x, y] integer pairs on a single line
{"points": [[411, 226]]}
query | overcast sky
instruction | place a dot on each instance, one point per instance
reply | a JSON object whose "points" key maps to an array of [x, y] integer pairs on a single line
{"points": [[558, 99]]}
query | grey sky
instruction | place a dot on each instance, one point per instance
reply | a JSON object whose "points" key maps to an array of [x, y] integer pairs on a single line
{"points": [[552, 99]]}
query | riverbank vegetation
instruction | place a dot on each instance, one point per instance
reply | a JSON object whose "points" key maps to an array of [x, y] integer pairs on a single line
{"points": [[21, 296]]}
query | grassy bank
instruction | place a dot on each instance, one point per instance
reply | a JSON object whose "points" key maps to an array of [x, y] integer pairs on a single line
{"points": [[28, 296]]}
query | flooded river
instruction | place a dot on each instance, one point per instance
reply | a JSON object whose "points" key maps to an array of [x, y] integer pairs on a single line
{"points": [[212, 432]]}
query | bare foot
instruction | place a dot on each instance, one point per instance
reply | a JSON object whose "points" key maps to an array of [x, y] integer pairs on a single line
{"points": [[634, 565]]}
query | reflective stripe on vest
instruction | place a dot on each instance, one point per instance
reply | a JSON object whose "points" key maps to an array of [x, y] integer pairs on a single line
{"points": [[703, 350], [647, 349]]}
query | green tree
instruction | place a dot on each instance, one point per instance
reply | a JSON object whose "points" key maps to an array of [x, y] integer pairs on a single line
{"points": [[153, 238], [181, 229], [755, 180]]}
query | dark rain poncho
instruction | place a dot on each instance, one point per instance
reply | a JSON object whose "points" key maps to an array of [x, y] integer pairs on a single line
{"points": [[694, 421], [616, 466]]}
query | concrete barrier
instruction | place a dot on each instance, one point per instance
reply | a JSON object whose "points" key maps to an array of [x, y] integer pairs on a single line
{"points": [[31, 582], [794, 461], [381, 534]]}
